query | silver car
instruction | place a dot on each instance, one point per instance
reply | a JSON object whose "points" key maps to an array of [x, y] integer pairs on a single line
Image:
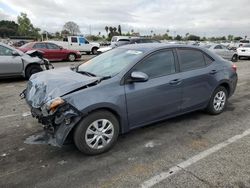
{"points": [[15, 63], [223, 51]]}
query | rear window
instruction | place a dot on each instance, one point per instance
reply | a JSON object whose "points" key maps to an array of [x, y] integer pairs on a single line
{"points": [[40, 46], [246, 45], [191, 59]]}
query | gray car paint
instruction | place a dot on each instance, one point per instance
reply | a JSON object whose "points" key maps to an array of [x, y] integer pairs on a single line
{"points": [[224, 52], [16, 65], [140, 103]]}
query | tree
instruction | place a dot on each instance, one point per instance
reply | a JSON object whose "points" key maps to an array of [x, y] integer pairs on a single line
{"points": [[107, 29], [237, 38], [71, 27], [178, 37], [119, 30], [193, 37], [8, 28], [230, 37], [25, 27]]}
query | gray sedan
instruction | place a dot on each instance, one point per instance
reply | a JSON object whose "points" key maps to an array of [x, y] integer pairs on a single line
{"points": [[14, 63], [126, 88], [223, 51]]}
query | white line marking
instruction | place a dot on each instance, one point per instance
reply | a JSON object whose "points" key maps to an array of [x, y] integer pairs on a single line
{"points": [[12, 115], [25, 114], [164, 175]]}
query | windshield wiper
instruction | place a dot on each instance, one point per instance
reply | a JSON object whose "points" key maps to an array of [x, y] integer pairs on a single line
{"points": [[86, 73]]}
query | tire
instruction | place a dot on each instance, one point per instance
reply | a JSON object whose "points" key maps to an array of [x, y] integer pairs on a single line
{"points": [[32, 69], [98, 141], [235, 58], [94, 51], [221, 95], [71, 57]]}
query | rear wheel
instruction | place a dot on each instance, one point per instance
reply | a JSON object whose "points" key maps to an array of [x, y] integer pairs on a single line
{"points": [[32, 69], [71, 57], [96, 133], [218, 101], [235, 58], [94, 51]]}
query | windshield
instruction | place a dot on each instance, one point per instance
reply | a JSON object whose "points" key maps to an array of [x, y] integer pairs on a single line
{"points": [[110, 63]]}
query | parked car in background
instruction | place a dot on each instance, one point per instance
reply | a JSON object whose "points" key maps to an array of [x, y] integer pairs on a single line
{"points": [[129, 87], [244, 51], [123, 41], [116, 39], [14, 62], [223, 51], [78, 43], [52, 51]]}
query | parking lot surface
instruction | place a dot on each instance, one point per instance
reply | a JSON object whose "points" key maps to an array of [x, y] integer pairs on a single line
{"points": [[194, 150]]}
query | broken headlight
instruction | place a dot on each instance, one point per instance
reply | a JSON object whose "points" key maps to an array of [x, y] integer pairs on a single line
{"points": [[54, 103]]}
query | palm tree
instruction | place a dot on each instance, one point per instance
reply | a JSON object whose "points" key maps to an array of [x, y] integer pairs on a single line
{"points": [[107, 29]]}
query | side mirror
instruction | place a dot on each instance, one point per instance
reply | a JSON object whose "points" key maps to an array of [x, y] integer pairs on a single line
{"points": [[86, 42], [138, 77], [61, 47], [15, 53]]}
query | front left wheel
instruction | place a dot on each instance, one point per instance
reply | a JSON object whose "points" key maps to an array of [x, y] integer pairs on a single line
{"points": [[96, 133]]}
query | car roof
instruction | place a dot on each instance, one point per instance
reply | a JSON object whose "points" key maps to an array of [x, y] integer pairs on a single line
{"points": [[147, 47]]}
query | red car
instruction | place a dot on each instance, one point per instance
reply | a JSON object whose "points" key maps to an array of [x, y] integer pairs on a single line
{"points": [[52, 51]]}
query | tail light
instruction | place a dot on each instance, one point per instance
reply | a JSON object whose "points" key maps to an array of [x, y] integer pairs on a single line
{"points": [[234, 67]]}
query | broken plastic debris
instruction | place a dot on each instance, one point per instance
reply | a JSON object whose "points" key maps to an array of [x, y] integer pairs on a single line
{"points": [[151, 144], [21, 149], [25, 114], [41, 138], [4, 155], [62, 162]]}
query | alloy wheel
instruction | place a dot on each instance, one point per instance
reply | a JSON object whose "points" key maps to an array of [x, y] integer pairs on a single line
{"points": [[99, 133]]}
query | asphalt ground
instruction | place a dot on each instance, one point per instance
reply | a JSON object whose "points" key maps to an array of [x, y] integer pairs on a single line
{"points": [[193, 150]]}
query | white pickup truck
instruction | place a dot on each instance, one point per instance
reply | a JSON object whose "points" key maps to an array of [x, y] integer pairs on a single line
{"points": [[78, 43]]}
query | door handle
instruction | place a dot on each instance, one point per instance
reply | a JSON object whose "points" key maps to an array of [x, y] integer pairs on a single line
{"points": [[175, 82], [213, 72]]}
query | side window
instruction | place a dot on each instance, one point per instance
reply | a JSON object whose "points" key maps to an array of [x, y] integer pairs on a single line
{"points": [[5, 51], [65, 39], [208, 60], [114, 39], [40, 46], [82, 40], [218, 47], [159, 64], [191, 59], [73, 39], [52, 46]]}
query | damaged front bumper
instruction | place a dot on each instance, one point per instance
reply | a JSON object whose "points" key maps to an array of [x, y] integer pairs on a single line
{"points": [[57, 126]]}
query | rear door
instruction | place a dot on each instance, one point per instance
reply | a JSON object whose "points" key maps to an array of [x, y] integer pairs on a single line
{"points": [[9, 64], [158, 97], [198, 77], [42, 47], [55, 52]]}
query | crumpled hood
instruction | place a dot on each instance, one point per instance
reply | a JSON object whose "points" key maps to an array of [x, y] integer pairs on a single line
{"points": [[30, 59], [47, 85]]}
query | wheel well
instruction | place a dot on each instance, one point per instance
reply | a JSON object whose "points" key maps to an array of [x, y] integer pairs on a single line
{"points": [[226, 86], [111, 111], [94, 48], [70, 135], [31, 64]]}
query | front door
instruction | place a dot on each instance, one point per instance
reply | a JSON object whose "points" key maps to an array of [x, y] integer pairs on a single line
{"points": [[158, 97], [9, 64]]}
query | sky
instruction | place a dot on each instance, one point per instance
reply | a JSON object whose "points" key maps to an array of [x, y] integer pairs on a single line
{"points": [[200, 17]]}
